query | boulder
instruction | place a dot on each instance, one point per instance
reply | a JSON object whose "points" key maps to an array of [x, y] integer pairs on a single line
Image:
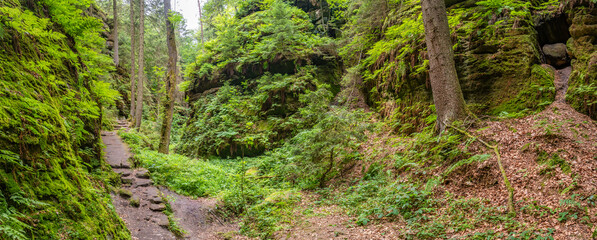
{"points": [[556, 54]]}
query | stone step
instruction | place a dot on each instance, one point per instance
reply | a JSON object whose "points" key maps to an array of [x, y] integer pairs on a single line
{"points": [[157, 207], [156, 200], [123, 172], [142, 183], [143, 173], [127, 180]]}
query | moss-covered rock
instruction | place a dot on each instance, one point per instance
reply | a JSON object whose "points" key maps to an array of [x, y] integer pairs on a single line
{"points": [[582, 92], [51, 180]]}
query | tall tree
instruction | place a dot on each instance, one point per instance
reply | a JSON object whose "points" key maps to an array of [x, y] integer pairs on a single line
{"points": [[200, 21], [447, 95], [170, 82], [141, 72], [133, 92], [115, 49]]}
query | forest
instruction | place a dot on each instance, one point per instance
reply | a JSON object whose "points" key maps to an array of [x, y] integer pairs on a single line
{"points": [[298, 119]]}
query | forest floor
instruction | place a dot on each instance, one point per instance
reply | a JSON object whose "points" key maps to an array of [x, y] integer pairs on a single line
{"points": [[156, 213], [550, 158]]}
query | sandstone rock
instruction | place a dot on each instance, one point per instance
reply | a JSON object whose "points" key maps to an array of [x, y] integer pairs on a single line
{"points": [[127, 180], [143, 183], [125, 193], [161, 220], [123, 172], [142, 174], [157, 207], [156, 200], [556, 54], [135, 201]]}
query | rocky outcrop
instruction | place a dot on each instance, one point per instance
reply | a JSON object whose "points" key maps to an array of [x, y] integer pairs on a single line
{"points": [[582, 92]]}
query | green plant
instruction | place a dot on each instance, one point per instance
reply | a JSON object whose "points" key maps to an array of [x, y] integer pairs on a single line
{"points": [[172, 222]]}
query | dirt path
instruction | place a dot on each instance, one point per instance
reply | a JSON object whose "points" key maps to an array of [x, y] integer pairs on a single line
{"points": [[561, 83], [141, 204]]}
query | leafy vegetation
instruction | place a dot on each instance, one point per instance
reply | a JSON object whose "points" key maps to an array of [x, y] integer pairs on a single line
{"points": [[287, 99], [52, 93]]}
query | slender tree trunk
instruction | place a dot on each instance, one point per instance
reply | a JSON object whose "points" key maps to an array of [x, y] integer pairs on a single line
{"points": [[323, 176], [133, 82], [170, 82], [141, 73], [201, 21], [447, 95], [115, 49]]}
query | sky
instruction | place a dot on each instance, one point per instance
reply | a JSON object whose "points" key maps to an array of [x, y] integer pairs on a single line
{"points": [[189, 10]]}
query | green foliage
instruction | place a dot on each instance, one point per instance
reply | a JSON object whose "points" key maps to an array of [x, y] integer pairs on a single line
{"points": [[260, 65], [50, 96], [552, 161], [262, 202]]}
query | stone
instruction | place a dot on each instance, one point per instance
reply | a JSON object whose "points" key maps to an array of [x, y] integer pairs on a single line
{"points": [[125, 164], [580, 30], [127, 180], [556, 54], [123, 172], [135, 201], [156, 200], [157, 207], [151, 193], [114, 165], [161, 220], [125, 193], [143, 183], [142, 174]]}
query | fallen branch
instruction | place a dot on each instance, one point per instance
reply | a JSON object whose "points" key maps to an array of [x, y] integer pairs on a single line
{"points": [[499, 161]]}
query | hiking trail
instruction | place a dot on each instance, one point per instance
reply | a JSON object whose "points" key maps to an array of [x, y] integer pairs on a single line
{"points": [[141, 204]]}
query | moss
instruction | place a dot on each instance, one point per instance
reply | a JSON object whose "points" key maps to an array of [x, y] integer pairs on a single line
{"points": [[582, 91], [534, 95], [50, 169]]}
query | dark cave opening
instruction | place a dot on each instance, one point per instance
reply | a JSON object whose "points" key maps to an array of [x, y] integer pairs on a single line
{"points": [[553, 30], [552, 35]]}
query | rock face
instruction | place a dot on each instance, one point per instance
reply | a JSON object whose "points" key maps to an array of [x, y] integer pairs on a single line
{"points": [[556, 54], [583, 51]]}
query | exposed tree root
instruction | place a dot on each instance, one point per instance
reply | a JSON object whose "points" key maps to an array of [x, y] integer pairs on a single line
{"points": [[496, 150]]}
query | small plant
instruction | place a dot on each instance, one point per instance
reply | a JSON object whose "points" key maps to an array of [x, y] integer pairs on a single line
{"points": [[172, 222], [135, 202]]}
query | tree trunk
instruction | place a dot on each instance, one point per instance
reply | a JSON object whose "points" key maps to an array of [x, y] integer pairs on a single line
{"points": [[201, 21], [447, 95], [115, 49], [170, 82], [141, 73], [323, 176], [132, 76]]}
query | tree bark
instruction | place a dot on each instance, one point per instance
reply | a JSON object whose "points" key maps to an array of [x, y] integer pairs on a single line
{"points": [[141, 73], [115, 49], [132, 76], [170, 82], [447, 95], [201, 21]]}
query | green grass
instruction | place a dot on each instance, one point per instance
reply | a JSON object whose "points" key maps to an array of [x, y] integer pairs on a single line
{"points": [[261, 204]]}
